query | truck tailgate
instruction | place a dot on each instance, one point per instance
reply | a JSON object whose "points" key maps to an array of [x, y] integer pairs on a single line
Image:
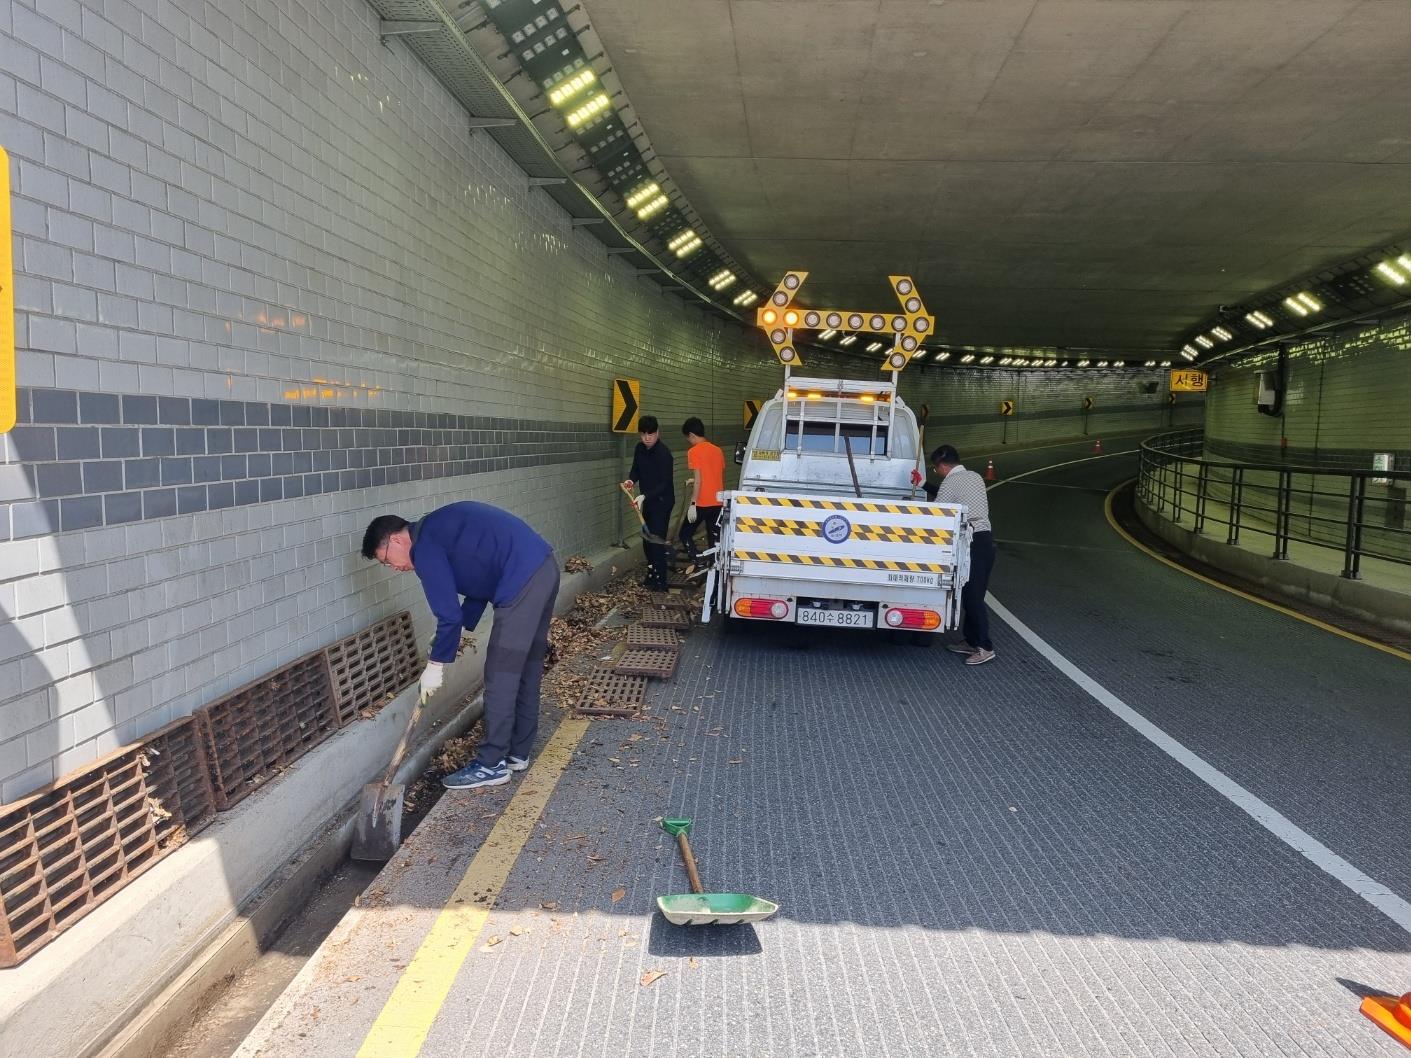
{"points": [[886, 542]]}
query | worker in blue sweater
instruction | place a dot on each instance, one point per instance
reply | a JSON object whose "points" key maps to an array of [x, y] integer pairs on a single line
{"points": [[483, 555]]}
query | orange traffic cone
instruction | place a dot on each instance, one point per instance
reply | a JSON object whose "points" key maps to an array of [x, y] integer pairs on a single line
{"points": [[1097, 447], [990, 471], [1391, 1015]]}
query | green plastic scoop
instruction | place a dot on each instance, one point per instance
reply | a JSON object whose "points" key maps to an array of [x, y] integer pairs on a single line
{"points": [[699, 908]]}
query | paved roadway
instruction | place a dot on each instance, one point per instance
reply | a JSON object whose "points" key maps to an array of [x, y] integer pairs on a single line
{"points": [[971, 862]]}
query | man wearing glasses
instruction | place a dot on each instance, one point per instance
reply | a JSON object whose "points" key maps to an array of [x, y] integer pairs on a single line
{"points": [[484, 555]]}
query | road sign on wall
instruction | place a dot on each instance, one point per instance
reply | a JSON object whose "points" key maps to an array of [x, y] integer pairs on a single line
{"points": [[1189, 381], [7, 303], [626, 404], [751, 412], [1087, 404], [1006, 407]]}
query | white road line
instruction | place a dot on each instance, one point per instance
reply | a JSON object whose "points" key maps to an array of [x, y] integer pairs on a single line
{"points": [[1313, 850]]}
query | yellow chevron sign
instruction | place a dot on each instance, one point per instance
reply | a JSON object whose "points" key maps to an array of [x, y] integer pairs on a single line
{"points": [[779, 318], [751, 412], [891, 534], [626, 405], [1006, 407], [866, 506], [836, 562]]}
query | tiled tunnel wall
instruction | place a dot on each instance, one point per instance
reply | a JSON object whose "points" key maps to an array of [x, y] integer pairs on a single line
{"points": [[1345, 399], [267, 286]]}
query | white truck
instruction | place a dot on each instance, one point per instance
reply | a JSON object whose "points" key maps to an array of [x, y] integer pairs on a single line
{"points": [[827, 526]]}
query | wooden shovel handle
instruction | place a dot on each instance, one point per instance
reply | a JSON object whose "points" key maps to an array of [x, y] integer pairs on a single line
{"points": [[402, 745], [690, 862], [633, 504]]}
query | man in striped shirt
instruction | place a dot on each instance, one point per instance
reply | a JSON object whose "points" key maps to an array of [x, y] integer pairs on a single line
{"points": [[967, 488]]}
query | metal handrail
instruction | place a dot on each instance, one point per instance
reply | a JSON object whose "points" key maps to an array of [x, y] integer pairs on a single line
{"points": [[1365, 516]]}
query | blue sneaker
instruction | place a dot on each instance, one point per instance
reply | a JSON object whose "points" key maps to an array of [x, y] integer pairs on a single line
{"points": [[476, 774], [517, 763]]}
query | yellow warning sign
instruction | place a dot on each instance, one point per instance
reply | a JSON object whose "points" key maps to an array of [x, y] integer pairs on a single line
{"points": [[1087, 404], [626, 404], [1189, 381], [1006, 407], [7, 303], [751, 412]]}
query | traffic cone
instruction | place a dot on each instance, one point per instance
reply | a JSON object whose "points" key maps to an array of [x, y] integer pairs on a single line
{"points": [[1391, 1015], [1097, 447], [990, 471]]}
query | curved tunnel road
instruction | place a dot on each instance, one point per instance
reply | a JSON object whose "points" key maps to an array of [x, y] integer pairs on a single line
{"points": [[980, 862]]}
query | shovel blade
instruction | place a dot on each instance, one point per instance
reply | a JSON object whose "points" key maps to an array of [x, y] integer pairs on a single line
{"points": [[379, 830], [714, 909]]}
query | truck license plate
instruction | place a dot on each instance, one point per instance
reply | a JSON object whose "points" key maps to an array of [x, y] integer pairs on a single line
{"points": [[807, 615]]}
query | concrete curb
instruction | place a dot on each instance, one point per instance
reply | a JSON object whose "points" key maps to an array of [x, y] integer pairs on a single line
{"points": [[1367, 602], [117, 982]]}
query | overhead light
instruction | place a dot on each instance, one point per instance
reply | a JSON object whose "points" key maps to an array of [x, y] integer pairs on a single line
{"points": [[721, 279], [827, 334], [874, 347], [1102, 363], [1260, 320], [1150, 363], [941, 356], [988, 360], [652, 208], [1166, 363], [967, 358], [684, 243], [572, 87], [1084, 363], [745, 298], [589, 111], [1203, 342], [1392, 273], [919, 354], [1221, 333], [1189, 353], [848, 340]]}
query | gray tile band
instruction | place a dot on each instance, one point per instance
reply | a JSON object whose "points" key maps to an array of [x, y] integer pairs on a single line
{"points": [[92, 459]]}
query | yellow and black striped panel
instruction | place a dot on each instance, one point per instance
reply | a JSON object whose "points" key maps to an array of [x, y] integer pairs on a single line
{"points": [[891, 534], [867, 506], [838, 562]]}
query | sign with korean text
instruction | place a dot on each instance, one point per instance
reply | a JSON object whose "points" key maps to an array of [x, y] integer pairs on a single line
{"points": [[1189, 381]]}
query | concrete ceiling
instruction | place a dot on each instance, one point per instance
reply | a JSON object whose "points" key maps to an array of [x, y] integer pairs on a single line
{"points": [[1084, 173]]}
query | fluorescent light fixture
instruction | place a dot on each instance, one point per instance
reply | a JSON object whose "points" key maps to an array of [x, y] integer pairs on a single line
{"points": [[588, 112], [943, 356], [1166, 363], [1191, 355], [988, 360], [1102, 363], [1391, 272], [827, 334], [872, 348], [848, 340], [572, 86], [652, 208], [1084, 363], [919, 354], [1150, 363], [721, 279], [1260, 320], [967, 358], [745, 298], [1311, 303], [645, 193], [684, 243], [1220, 333], [1203, 342]]}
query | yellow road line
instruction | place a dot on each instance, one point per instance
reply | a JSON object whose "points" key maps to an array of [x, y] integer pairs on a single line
{"points": [[1112, 521], [402, 1026]]}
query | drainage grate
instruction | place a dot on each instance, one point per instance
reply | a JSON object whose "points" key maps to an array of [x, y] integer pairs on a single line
{"points": [[608, 694], [371, 667], [675, 600], [665, 617], [266, 725], [640, 661], [640, 637], [178, 781], [70, 846]]}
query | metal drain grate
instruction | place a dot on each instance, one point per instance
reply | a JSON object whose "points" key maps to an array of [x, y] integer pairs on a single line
{"points": [[370, 667], [178, 781], [639, 637], [665, 617], [267, 725], [675, 600], [70, 846], [608, 694], [640, 661]]}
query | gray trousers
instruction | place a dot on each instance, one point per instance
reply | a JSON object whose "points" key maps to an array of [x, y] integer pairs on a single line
{"points": [[514, 667]]}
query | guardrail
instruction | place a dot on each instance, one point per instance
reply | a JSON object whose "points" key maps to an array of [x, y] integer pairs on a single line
{"points": [[1362, 513]]}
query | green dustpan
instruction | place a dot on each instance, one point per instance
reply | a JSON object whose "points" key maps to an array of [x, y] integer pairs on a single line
{"points": [[699, 908]]}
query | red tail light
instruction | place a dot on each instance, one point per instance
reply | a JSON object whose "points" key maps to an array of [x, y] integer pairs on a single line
{"points": [[906, 617], [769, 609]]}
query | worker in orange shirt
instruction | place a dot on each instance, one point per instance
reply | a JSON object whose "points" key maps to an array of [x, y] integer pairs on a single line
{"points": [[707, 464]]}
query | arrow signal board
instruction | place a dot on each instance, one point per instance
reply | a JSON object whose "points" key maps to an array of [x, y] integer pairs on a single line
{"points": [[779, 318]]}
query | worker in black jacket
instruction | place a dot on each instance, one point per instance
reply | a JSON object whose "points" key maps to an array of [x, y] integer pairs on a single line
{"points": [[652, 473]]}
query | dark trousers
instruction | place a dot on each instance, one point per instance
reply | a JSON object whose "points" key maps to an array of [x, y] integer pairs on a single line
{"points": [[657, 514], [975, 622], [707, 516], [514, 667]]}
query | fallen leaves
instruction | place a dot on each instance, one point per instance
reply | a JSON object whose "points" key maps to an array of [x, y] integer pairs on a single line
{"points": [[618, 894], [651, 977]]}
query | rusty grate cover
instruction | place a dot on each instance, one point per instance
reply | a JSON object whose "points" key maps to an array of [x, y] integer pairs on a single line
{"points": [[675, 600], [68, 847], [665, 617], [608, 694], [266, 725], [370, 667], [641, 661], [639, 637]]}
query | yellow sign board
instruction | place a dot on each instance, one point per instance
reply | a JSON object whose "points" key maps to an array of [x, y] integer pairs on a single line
{"points": [[626, 404], [751, 412], [1006, 407], [7, 303], [779, 318], [1087, 404], [1189, 381]]}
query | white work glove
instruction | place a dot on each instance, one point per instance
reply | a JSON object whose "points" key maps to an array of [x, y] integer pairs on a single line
{"points": [[691, 514], [431, 679], [639, 501]]}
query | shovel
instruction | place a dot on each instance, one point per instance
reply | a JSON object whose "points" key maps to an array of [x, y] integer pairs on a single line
{"points": [[647, 534], [699, 908], [379, 832]]}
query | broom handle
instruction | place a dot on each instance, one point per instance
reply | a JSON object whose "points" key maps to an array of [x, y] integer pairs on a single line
{"points": [[690, 860]]}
